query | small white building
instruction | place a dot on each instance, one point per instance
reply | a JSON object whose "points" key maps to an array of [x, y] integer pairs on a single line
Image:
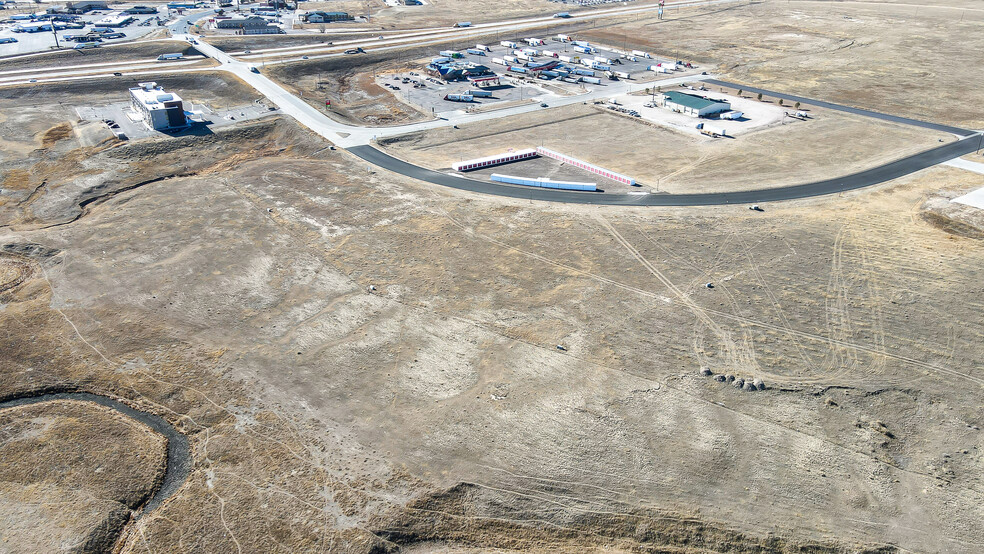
{"points": [[163, 111]]}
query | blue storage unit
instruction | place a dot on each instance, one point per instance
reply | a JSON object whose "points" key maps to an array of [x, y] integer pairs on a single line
{"points": [[544, 183]]}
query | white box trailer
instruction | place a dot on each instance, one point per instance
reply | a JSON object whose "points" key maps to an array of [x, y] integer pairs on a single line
{"points": [[563, 38], [731, 115], [510, 59], [508, 44], [550, 53], [531, 51], [602, 59], [499, 61], [622, 75], [566, 59], [483, 47], [641, 54], [534, 41], [711, 130], [660, 69]]}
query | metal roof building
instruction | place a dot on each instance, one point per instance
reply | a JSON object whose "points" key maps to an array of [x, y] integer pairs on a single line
{"points": [[691, 104]]}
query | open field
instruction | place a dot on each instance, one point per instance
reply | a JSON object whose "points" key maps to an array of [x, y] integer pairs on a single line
{"points": [[75, 451], [826, 145], [364, 363], [847, 52], [350, 84], [441, 13], [222, 283]]}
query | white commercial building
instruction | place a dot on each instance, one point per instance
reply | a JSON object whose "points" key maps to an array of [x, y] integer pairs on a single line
{"points": [[690, 104], [161, 110]]}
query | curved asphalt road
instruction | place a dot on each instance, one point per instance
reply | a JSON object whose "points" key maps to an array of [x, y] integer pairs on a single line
{"points": [[861, 179]]}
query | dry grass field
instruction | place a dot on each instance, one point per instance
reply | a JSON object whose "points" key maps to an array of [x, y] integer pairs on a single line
{"points": [[829, 144], [366, 363]]}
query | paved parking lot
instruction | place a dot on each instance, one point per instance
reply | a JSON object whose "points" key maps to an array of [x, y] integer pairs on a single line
{"points": [[429, 97], [44, 40], [515, 88], [757, 115], [204, 118]]}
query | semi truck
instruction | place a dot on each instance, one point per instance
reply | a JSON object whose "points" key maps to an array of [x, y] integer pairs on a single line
{"points": [[475, 52], [583, 49], [622, 75], [459, 97], [462, 24], [585, 72], [592, 80], [173, 56], [482, 47], [641, 54]]}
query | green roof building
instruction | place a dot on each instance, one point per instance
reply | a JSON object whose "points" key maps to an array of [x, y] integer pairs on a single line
{"points": [[691, 104]]}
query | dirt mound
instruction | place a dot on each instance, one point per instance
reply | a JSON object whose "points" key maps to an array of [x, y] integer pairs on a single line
{"points": [[59, 132], [13, 272], [953, 226], [470, 516]]}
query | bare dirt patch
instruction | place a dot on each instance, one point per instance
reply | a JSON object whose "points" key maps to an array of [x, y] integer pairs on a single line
{"points": [[847, 52]]}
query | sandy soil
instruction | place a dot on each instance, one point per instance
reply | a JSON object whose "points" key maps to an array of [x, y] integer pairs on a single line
{"points": [[350, 84], [365, 363], [326, 417], [828, 144], [848, 52], [72, 452]]}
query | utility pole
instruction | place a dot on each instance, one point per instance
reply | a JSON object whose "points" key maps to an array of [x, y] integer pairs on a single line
{"points": [[53, 32]]}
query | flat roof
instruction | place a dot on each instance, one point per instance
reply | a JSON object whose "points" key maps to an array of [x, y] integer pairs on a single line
{"points": [[691, 100], [154, 98]]}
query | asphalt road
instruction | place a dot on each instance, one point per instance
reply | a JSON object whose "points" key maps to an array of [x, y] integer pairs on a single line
{"points": [[861, 179], [841, 108]]}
